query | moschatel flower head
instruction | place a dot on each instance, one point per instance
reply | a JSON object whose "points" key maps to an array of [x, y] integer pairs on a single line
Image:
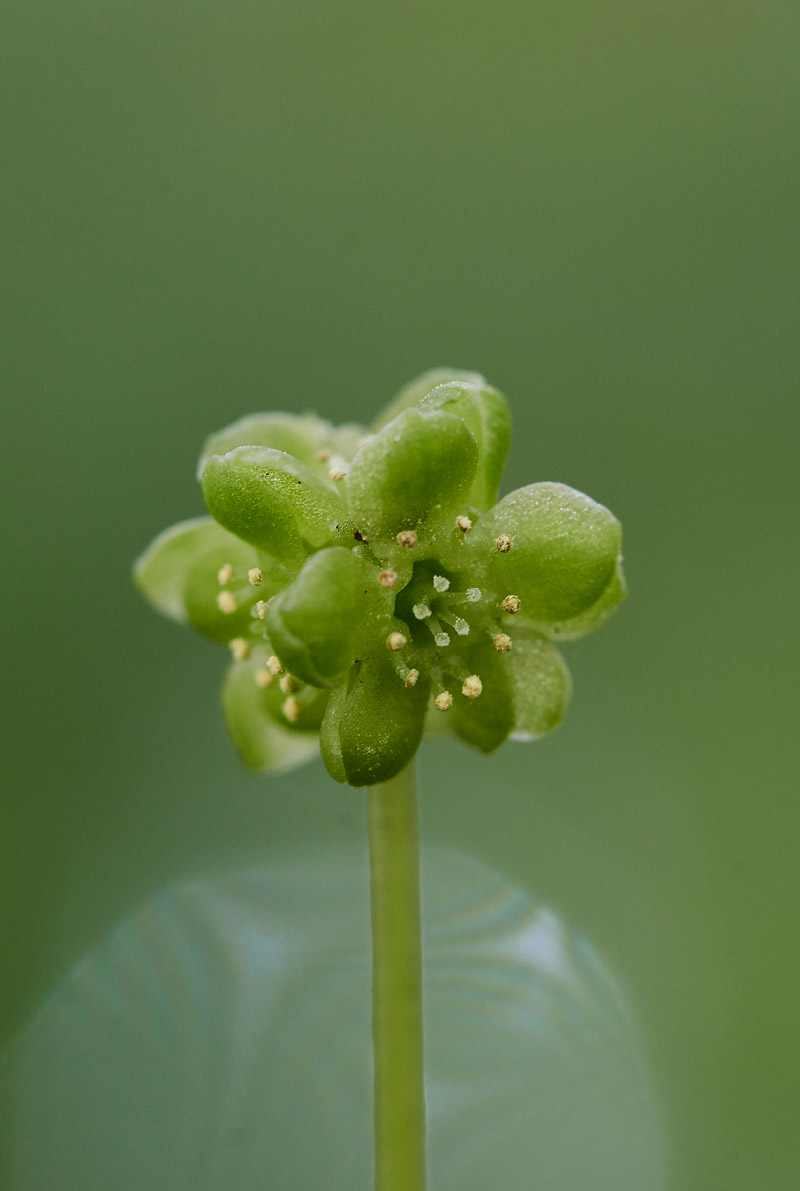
{"points": [[368, 586]]}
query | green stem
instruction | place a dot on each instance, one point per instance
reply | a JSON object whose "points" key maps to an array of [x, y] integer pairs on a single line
{"points": [[397, 985]]}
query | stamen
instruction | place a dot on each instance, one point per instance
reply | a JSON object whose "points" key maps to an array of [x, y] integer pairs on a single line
{"points": [[441, 638], [512, 603], [260, 609], [337, 473], [239, 648], [503, 543], [444, 701], [407, 538], [255, 576], [274, 665], [411, 678], [474, 594], [387, 579], [472, 686], [263, 678], [395, 642], [226, 602], [292, 710], [289, 684], [440, 583], [463, 523], [323, 456], [225, 574], [421, 611], [459, 624], [502, 642]]}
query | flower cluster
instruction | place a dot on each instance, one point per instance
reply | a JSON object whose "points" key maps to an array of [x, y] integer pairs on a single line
{"points": [[368, 586]]}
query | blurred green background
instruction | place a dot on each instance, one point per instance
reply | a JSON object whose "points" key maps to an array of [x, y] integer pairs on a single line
{"points": [[212, 209]]}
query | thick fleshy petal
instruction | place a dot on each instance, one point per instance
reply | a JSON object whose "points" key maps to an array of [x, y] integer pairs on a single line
{"points": [[486, 721], [179, 575], [595, 616], [373, 726], [272, 500], [419, 467], [412, 393], [316, 623], [486, 413], [540, 683], [308, 438], [562, 552], [253, 719]]}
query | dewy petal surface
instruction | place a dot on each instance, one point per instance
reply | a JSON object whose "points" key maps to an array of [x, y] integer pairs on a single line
{"points": [[540, 684], [271, 500], [315, 624], [373, 726], [486, 413], [304, 436], [563, 552], [412, 393], [419, 466]]}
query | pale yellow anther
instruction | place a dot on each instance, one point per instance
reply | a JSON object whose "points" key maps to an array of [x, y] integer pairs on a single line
{"points": [[274, 665], [512, 603], [440, 583], [292, 710], [226, 602], [502, 642], [411, 678], [387, 579], [225, 574], [288, 684], [395, 642], [323, 456], [260, 609], [337, 473], [255, 576], [239, 648], [503, 543], [263, 678], [406, 538], [472, 686], [444, 701], [463, 523]]}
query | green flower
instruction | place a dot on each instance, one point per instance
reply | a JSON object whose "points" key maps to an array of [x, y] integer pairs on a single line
{"points": [[368, 586]]}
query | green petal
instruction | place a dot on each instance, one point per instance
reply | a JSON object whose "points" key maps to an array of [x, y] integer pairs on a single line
{"points": [[484, 722], [595, 616], [316, 623], [329, 741], [178, 573], [420, 466], [262, 742], [270, 499], [486, 413], [373, 726], [412, 393], [303, 436], [540, 682], [563, 554]]}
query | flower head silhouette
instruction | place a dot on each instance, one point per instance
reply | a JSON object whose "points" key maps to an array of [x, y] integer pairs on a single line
{"points": [[368, 585]]}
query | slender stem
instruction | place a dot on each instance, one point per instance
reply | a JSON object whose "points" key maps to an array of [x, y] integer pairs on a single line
{"points": [[396, 985]]}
